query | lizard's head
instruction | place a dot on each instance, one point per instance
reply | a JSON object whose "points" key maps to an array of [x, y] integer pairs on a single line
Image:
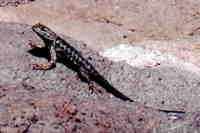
{"points": [[44, 32]]}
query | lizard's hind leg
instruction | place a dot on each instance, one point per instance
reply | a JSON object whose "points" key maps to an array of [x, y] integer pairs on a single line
{"points": [[85, 78], [91, 84]]}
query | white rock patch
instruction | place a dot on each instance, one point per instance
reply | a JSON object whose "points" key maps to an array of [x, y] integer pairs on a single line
{"points": [[138, 56]]}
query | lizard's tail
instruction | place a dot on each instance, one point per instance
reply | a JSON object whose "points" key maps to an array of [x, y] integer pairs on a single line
{"points": [[109, 88]]}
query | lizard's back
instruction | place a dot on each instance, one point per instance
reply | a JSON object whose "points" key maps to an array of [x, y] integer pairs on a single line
{"points": [[70, 55]]}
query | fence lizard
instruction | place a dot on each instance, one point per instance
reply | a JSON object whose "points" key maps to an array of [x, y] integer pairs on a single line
{"points": [[61, 49]]}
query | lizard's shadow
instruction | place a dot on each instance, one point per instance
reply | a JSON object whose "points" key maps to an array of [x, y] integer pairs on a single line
{"points": [[44, 53], [39, 52]]}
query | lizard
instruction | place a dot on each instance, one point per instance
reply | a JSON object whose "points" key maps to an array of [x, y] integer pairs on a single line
{"points": [[59, 48]]}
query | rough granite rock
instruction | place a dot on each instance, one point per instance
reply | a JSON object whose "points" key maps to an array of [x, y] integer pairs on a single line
{"points": [[55, 101]]}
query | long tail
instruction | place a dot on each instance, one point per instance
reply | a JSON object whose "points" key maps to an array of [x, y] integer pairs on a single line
{"points": [[109, 88]]}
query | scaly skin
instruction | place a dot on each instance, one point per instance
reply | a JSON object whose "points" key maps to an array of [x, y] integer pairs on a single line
{"points": [[60, 49]]}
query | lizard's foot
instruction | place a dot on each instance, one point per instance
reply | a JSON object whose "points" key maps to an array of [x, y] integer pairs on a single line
{"points": [[33, 45], [92, 87], [42, 66]]}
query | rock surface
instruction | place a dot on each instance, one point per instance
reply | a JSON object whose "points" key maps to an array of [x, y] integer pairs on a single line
{"points": [[161, 78], [56, 101]]}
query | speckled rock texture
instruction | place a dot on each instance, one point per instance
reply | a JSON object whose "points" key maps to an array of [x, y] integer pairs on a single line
{"points": [[56, 101]]}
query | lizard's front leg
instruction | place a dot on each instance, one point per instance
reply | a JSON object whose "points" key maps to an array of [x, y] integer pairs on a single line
{"points": [[52, 61]]}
